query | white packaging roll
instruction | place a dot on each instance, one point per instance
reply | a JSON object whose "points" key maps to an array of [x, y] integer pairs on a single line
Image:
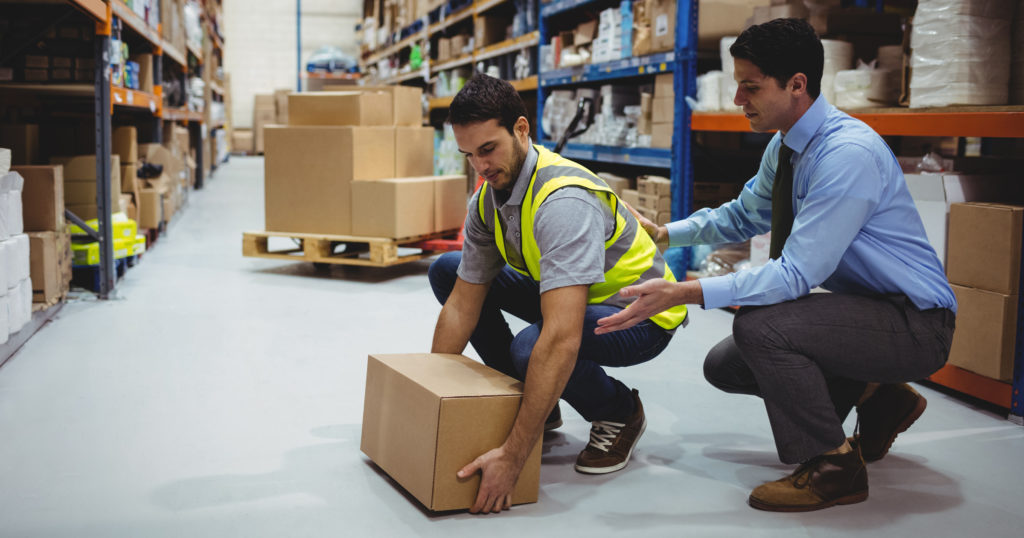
{"points": [[5, 230], [15, 217], [8, 253], [890, 57], [5, 319], [23, 261], [25, 301], [828, 88], [709, 91], [851, 87], [838, 55]]}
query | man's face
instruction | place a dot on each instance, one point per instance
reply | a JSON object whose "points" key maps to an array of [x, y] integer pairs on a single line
{"points": [[496, 155], [767, 106]]}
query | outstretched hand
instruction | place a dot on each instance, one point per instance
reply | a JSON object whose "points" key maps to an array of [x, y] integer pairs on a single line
{"points": [[653, 297]]}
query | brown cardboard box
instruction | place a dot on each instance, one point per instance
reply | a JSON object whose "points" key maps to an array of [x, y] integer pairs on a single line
{"points": [[264, 112], [425, 416], [663, 109], [414, 151], [585, 33], [656, 202], [82, 169], [340, 108], [489, 29], [444, 49], [174, 167], [145, 62], [398, 207], [631, 197], [663, 87], [648, 213], [128, 178], [281, 106], [151, 207], [308, 171], [655, 185], [241, 141], [46, 262], [714, 193], [721, 18], [128, 206], [42, 197], [984, 246], [125, 144], [663, 24], [407, 107], [449, 202], [661, 135], [83, 211], [616, 183], [23, 141], [986, 327]]}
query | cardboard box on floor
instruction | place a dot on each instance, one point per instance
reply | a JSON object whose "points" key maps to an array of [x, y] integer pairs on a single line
{"points": [[425, 416], [340, 108], [308, 171], [984, 246], [151, 207], [407, 101], [42, 197], [241, 141], [50, 255], [986, 328]]}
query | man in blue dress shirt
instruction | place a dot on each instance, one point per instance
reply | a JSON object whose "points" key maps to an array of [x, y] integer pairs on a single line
{"points": [[832, 194]]}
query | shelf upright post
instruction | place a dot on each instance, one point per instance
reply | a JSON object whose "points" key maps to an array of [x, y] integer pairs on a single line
{"points": [[684, 85], [158, 82], [103, 110], [542, 29]]}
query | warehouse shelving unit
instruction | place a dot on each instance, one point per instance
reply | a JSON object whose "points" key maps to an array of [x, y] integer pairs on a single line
{"points": [[989, 122], [681, 62]]}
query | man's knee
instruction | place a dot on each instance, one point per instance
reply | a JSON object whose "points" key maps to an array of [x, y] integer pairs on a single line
{"points": [[442, 274], [725, 370], [522, 348]]}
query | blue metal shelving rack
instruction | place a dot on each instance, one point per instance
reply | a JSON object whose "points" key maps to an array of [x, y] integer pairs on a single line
{"points": [[682, 63]]}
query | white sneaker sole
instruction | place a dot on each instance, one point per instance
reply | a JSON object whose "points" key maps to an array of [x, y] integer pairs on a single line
{"points": [[617, 466]]}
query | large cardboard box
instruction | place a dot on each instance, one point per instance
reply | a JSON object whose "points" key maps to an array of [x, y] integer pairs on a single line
{"points": [[984, 246], [49, 255], [407, 101], [397, 207], [340, 108], [425, 416], [663, 109], [241, 141], [264, 112], [22, 140], [720, 18], [664, 25], [125, 144], [145, 61], [664, 86], [654, 185], [281, 106], [661, 135], [151, 207], [489, 29], [414, 151], [449, 202], [82, 169], [308, 173], [42, 197], [986, 328]]}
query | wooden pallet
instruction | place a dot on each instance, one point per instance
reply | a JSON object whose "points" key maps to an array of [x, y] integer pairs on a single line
{"points": [[317, 248]]}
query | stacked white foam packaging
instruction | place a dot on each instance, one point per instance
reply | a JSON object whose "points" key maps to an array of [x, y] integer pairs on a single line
{"points": [[874, 84], [960, 52], [838, 57], [709, 91], [15, 286], [608, 44], [1017, 57], [728, 85]]}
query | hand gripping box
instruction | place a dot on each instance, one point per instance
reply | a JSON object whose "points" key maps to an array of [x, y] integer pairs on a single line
{"points": [[427, 415]]}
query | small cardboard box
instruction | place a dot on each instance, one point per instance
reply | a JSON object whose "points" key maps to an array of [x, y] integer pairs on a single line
{"points": [[631, 197], [654, 185], [241, 141], [656, 202], [616, 183], [47, 265], [42, 197], [281, 106], [398, 207], [151, 207], [80, 174], [661, 135], [664, 25], [308, 173], [449, 202], [984, 246], [414, 151], [489, 29], [663, 109], [986, 328], [425, 416], [663, 87], [407, 101], [340, 108]]}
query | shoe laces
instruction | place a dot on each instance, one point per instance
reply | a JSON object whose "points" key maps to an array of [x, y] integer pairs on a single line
{"points": [[802, 476], [603, 433]]}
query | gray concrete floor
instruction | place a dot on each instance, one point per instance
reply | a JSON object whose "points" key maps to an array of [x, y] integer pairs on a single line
{"points": [[222, 396]]}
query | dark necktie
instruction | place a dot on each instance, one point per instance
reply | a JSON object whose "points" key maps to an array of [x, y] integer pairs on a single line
{"points": [[782, 202]]}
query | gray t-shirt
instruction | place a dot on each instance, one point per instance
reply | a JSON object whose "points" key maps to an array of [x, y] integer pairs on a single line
{"points": [[571, 227]]}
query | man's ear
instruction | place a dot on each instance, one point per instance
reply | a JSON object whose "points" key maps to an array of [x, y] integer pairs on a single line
{"points": [[798, 83], [522, 127]]}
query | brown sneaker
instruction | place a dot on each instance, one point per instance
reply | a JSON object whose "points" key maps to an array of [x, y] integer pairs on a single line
{"points": [[611, 443], [822, 482], [554, 420], [886, 414]]}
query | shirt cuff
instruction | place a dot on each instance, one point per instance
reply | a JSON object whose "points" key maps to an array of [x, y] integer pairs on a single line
{"points": [[678, 233], [718, 291]]}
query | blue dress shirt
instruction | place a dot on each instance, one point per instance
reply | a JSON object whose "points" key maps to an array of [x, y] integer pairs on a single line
{"points": [[856, 228]]}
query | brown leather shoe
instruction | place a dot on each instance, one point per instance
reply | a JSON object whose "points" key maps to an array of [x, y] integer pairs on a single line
{"points": [[611, 443], [886, 414], [822, 482], [554, 420]]}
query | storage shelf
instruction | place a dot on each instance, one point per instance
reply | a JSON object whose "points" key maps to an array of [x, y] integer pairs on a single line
{"points": [[459, 16], [451, 64], [617, 69], [560, 6], [398, 79], [952, 121], [135, 99], [332, 76], [653, 157], [132, 19], [181, 114], [52, 89], [173, 53], [481, 7], [198, 53], [96, 8], [523, 85], [394, 49], [979, 386], [510, 45], [216, 87]]}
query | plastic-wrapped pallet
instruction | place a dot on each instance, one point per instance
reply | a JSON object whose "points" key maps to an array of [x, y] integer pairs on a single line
{"points": [[960, 52]]}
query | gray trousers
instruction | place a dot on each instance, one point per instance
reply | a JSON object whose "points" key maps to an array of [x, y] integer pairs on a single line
{"points": [[810, 360]]}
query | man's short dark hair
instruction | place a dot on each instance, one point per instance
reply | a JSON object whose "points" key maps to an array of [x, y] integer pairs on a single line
{"points": [[782, 48], [486, 98]]}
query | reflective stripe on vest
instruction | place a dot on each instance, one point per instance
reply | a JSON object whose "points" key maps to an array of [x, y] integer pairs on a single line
{"points": [[629, 251]]}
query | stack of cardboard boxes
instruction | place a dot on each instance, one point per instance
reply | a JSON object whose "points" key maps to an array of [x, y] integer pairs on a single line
{"points": [[358, 163], [264, 112], [654, 198], [662, 111], [983, 266], [80, 184]]}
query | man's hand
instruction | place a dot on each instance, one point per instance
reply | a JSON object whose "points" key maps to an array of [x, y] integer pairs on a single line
{"points": [[500, 471], [653, 297], [658, 233]]}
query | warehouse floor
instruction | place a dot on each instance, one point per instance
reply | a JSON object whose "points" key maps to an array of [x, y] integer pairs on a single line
{"points": [[222, 396]]}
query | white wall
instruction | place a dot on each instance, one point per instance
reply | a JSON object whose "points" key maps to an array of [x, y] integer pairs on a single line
{"points": [[260, 43]]}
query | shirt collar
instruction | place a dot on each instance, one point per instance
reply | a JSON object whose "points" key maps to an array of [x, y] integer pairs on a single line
{"points": [[803, 130], [523, 181]]}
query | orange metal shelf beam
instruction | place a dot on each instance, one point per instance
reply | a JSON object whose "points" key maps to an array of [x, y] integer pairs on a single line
{"points": [[979, 386], [96, 8], [1000, 123]]}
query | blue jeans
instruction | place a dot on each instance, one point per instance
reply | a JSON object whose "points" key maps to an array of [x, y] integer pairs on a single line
{"points": [[592, 392]]}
